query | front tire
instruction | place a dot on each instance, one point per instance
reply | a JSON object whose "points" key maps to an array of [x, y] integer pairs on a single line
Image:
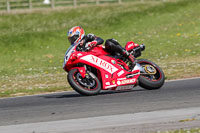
{"points": [[85, 86], [153, 78]]}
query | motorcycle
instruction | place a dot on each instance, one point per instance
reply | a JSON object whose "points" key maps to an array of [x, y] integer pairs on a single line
{"points": [[91, 71]]}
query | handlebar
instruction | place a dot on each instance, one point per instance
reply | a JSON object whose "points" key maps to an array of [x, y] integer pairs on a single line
{"points": [[142, 47]]}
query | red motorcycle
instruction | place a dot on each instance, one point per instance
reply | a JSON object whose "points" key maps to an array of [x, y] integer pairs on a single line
{"points": [[89, 72]]}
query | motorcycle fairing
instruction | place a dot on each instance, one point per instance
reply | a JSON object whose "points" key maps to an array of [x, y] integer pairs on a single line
{"points": [[111, 74], [100, 63]]}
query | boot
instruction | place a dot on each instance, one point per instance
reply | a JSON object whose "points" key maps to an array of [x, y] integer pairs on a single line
{"points": [[130, 57], [132, 60]]}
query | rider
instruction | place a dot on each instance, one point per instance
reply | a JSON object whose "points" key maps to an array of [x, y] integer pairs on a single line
{"points": [[77, 35]]}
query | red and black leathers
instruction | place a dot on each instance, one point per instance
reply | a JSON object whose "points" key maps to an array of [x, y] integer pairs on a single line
{"points": [[91, 40], [112, 46]]}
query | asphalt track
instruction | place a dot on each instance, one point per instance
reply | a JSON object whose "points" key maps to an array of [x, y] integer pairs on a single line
{"points": [[70, 105]]}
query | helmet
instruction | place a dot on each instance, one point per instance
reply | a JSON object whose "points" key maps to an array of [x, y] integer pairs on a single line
{"points": [[75, 34]]}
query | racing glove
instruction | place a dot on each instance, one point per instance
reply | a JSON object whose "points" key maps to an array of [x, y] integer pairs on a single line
{"points": [[90, 45]]}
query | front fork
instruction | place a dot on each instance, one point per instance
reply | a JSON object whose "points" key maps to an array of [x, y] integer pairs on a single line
{"points": [[83, 71]]}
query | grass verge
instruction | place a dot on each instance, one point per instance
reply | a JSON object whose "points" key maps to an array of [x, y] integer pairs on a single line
{"points": [[195, 130]]}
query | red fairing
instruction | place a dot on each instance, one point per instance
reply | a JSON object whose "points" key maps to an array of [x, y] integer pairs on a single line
{"points": [[111, 71], [131, 45]]}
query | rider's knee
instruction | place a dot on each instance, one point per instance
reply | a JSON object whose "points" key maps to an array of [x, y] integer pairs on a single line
{"points": [[110, 45]]}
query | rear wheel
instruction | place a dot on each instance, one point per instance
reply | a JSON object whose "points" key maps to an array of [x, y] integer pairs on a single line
{"points": [[153, 78], [90, 85]]}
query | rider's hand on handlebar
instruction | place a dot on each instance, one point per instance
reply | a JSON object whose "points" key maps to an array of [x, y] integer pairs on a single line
{"points": [[89, 45]]}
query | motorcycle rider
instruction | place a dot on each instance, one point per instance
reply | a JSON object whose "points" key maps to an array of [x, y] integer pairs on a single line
{"points": [[77, 35]]}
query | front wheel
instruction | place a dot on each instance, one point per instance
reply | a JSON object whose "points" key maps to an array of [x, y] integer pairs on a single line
{"points": [[88, 86], [153, 77]]}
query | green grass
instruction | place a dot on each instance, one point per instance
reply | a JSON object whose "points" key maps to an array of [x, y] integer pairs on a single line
{"points": [[33, 44], [195, 130]]}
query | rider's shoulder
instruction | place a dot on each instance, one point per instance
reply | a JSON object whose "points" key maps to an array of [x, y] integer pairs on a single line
{"points": [[90, 34]]}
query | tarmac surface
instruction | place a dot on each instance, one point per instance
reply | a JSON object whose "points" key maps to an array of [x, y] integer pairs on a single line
{"points": [[138, 110]]}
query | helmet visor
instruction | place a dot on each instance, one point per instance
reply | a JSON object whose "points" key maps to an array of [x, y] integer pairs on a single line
{"points": [[73, 39]]}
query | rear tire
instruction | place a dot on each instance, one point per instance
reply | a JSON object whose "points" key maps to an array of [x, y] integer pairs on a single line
{"points": [[151, 81], [84, 86]]}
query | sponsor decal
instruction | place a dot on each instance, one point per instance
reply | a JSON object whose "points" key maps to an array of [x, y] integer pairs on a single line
{"points": [[107, 83], [130, 45], [100, 62], [106, 76], [111, 86], [79, 54], [118, 83], [120, 73], [113, 61], [126, 81], [121, 78]]}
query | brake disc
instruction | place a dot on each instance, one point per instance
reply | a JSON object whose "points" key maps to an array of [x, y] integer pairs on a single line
{"points": [[150, 69]]}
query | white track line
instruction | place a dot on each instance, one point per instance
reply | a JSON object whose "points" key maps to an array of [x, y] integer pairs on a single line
{"points": [[84, 124]]}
